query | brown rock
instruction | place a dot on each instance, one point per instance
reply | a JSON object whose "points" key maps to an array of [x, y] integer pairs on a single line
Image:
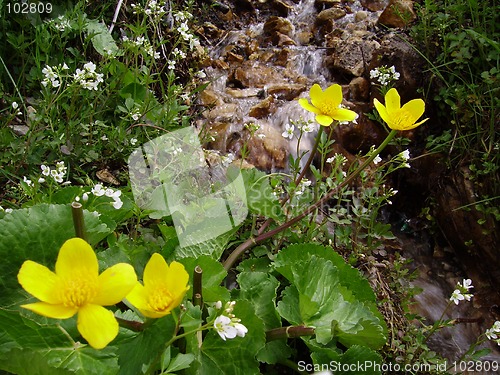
{"points": [[242, 93], [282, 7], [286, 91], [282, 40], [269, 152], [373, 5], [360, 16], [263, 109], [398, 13], [359, 89], [210, 98], [276, 24], [251, 74], [325, 4], [327, 15], [352, 56]]}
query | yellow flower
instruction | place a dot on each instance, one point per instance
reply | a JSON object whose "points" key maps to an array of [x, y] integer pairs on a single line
{"points": [[163, 290], [397, 117], [327, 105], [77, 287]]}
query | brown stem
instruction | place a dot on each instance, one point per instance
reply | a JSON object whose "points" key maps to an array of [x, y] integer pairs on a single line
{"points": [[289, 332], [197, 286], [78, 222], [131, 324]]}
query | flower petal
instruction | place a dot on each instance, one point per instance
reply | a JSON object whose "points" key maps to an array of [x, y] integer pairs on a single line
{"points": [[155, 271], [334, 95], [30, 277], [97, 325], [382, 111], [324, 120], [316, 94], [413, 126], [392, 101], [415, 108], [51, 311], [138, 297], [76, 257], [114, 284], [177, 279], [308, 107], [343, 114]]}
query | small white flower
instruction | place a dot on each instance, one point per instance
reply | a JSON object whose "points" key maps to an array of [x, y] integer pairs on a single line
{"points": [[229, 328], [288, 133], [98, 190], [218, 305], [330, 160], [117, 204], [457, 296], [467, 284], [85, 197], [15, 105], [41, 180], [405, 155], [133, 141], [377, 160], [27, 181]]}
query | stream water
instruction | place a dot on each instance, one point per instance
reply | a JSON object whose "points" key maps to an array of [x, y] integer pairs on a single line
{"points": [[304, 64]]}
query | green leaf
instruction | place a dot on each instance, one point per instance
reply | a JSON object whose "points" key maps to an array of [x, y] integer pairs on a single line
{"points": [[212, 277], [48, 350], [213, 247], [317, 299], [37, 233], [180, 362], [356, 360], [146, 347], [236, 356], [102, 40], [348, 276]]}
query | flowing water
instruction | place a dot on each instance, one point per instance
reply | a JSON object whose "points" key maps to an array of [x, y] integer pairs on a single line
{"points": [[305, 63]]}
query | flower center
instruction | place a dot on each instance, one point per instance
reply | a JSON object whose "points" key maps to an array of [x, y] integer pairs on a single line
{"points": [[402, 118], [78, 291], [160, 299], [328, 107]]}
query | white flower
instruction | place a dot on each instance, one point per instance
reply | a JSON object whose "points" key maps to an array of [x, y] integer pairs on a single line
{"points": [[405, 155], [456, 296], [330, 160], [98, 190], [15, 105], [377, 160], [27, 181], [117, 203], [85, 197], [288, 133], [467, 284], [41, 180], [229, 328], [491, 333], [218, 305], [133, 141], [171, 64]]}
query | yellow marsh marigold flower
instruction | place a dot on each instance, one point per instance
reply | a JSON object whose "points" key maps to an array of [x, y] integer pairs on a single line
{"points": [[397, 117], [163, 290], [327, 105], [77, 287]]}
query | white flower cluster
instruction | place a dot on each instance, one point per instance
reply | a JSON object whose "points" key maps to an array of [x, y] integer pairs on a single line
{"points": [[462, 292], [288, 133], [140, 41], [226, 324], [15, 107], [154, 9], [307, 127], [384, 75], [61, 23], [227, 160], [98, 190], [53, 75], [304, 184], [493, 333], [57, 173], [341, 159], [182, 18], [404, 157], [88, 78]]}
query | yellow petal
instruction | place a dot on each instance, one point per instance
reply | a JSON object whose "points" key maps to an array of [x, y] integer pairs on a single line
{"points": [[138, 297], [51, 311], [114, 284], [97, 325], [308, 107], [392, 101], [76, 257], [39, 281], [155, 271], [316, 94], [324, 120], [382, 111], [176, 280], [343, 114], [413, 126], [415, 108], [334, 95]]}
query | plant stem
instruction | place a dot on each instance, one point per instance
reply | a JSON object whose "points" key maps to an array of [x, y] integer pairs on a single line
{"points": [[289, 332], [197, 286], [78, 222], [264, 236]]}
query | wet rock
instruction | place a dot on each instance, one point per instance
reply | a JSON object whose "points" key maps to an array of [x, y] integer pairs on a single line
{"points": [[263, 109], [210, 98], [222, 112], [359, 89], [268, 152], [282, 7], [251, 74], [242, 93], [276, 24], [232, 57], [286, 91], [211, 31], [329, 15], [361, 136], [398, 13], [281, 40], [374, 5], [352, 56], [325, 4], [360, 16]]}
